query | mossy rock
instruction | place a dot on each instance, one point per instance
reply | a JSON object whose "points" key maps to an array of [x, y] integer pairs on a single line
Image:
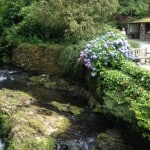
{"points": [[56, 83], [75, 110], [27, 125], [33, 144], [111, 140]]}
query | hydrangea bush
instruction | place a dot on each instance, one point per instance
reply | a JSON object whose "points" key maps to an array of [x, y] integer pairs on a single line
{"points": [[106, 51]]}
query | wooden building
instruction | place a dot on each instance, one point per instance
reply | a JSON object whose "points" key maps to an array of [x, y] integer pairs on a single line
{"points": [[139, 29]]}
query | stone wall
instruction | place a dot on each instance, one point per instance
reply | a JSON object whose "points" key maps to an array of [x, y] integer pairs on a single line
{"points": [[41, 59]]}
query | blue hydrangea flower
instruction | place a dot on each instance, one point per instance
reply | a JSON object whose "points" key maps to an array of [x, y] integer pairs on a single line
{"points": [[105, 63], [88, 45], [93, 74], [94, 56], [93, 68], [111, 53], [105, 46]]}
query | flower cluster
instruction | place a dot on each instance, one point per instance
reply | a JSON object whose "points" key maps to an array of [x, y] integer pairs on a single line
{"points": [[105, 51]]}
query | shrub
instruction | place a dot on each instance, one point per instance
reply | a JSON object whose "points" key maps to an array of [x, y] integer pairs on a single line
{"points": [[142, 114], [141, 76], [125, 99], [69, 64], [4, 125], [134, 44]]}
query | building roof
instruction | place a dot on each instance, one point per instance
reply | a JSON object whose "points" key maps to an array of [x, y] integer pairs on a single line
{"points": [[143, 20]]}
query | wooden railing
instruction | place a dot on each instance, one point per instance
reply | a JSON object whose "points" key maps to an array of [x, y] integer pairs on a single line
{"points": [[141, 55]]}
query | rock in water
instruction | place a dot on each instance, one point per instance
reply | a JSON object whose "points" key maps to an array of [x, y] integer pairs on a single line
{"points": [[111, 140]]}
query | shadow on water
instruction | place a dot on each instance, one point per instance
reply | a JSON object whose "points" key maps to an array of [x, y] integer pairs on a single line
{"points": [[81, 135]]}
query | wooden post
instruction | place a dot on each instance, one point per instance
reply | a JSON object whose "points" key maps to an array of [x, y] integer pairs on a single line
{"points": [[142, 31]]}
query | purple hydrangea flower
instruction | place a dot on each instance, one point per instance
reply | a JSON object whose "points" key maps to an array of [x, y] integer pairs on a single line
{"points": [[88, 65]]}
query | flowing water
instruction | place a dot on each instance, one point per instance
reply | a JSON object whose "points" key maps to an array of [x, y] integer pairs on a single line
{"points": [[76, 144], [2, 145], [85, 127]]}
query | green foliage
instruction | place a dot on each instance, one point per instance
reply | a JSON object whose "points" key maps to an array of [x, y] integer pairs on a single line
{"points": [[4, 125], [134, 44], [134, 7], [78, 19], [114, 78], [141, 76], [43, 144], [10, 11], [141, 109], [114, 105], [68, 61], [125, 99], [9, 16]]}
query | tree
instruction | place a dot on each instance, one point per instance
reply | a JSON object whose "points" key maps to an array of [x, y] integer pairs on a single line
{"points": [[9, 16], [9, 11], [61, 19], [134, 7]]}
